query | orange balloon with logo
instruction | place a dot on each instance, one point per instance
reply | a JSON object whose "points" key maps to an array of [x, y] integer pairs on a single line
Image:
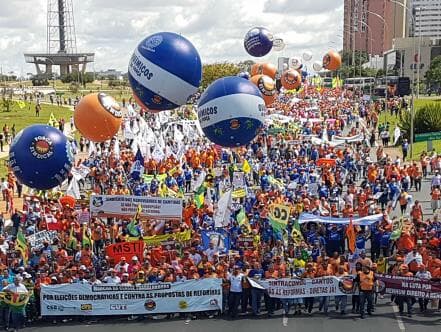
{"points": [[291, 79], [267, 69], [98, 117], [332, 60], [266, 86]]}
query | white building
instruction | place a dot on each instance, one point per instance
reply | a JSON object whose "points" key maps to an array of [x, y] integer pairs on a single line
{"points": [[427, 14]]}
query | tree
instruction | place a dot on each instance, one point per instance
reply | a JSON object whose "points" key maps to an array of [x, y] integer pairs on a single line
{"points": [[433, 75], [212, 72], [426, 119]]}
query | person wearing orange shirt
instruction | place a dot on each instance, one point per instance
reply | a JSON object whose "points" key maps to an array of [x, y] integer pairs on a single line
{"points": [[341, 300], [324, 269], [309, 274], [436, 195]]}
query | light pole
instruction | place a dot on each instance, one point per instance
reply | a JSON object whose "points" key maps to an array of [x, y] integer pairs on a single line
{"points": [[370, 31], [412, 109], [385, 25]]}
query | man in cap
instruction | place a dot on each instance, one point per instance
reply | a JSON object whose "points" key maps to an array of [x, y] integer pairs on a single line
{"points": [[111, 277]]}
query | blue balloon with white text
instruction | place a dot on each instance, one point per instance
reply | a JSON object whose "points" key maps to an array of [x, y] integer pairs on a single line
{"points": [[258, 42], [41, 157], [165, 71], [231, 111]]}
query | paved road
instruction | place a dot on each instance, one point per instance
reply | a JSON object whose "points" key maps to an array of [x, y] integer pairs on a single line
{"points": [[384, 320]]}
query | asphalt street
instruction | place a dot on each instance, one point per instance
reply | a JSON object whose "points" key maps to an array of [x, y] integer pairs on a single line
{"points": [[383, 320]]}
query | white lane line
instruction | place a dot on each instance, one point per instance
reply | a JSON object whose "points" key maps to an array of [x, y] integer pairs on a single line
{"points": [[285, 321], [398, 318]]}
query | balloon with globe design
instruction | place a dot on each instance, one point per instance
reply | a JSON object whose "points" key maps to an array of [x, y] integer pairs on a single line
{"points": [[231, 111], [164, 71], [41, 157]]}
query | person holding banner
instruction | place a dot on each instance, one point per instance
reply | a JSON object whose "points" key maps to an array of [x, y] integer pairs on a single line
{"points": [[235, 295]]}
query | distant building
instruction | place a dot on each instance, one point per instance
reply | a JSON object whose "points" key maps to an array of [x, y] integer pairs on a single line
{"points": [[109, 74], [427, 14], [371, 25]]}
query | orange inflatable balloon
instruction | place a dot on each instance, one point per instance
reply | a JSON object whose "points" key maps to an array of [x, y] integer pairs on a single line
{"points": [[267, 69], [98, 117], [291, 79], [266, 86], [332, 60]]}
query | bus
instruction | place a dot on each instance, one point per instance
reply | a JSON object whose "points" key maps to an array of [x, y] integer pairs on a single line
{"points": [[366, 84], [391, 84]]}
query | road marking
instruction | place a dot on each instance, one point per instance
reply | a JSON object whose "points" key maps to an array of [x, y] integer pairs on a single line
{"points": [[285, 321], [398, 318]]}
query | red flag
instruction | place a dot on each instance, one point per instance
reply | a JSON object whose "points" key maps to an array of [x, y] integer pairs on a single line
{"points": [[350, 234]]}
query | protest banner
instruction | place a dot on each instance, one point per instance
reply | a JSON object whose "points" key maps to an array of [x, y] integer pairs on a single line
{"points": [[245, 242], [120, 206], [298, 288], [363, 221], [36, 240], [409, 286], [156, 240], [219, 239], [108, 299], [238, 180], [125, 249]]}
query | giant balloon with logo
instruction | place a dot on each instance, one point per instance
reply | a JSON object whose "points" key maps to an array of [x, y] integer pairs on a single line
{"points": [[291, 79], [258, 41], [332, 60], [98, 117], [266, 86], [164, 71], [231, 111], [41, 157], [295, 62], [267, 69]]}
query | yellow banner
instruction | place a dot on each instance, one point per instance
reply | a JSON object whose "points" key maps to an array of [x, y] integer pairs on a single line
{"points": [[156, 240], [280, 213], [239, 193], [14, 299]]}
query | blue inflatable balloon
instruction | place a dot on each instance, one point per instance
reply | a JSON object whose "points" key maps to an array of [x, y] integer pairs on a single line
{"points": [[41, 157], [244, 74], [231, 111], [164, 71], [258, 42]]}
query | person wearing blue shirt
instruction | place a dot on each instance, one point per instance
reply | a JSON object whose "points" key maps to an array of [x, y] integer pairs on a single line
{"points": [[375, 237], [187, 176], [334, 240], [360, 241], [385, 243]]}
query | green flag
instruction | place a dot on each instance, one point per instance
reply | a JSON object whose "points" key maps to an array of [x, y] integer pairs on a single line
{"points": [[199, 196], [22, 246], [86, 237], [242, 220], [398, 228], [72, 243], [296, 232], [132, 226]]}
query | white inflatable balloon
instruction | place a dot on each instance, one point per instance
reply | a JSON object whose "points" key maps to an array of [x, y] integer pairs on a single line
{"points": [[278, 44], [307, 55], [317, 66], [285, 66], [295, 62]]}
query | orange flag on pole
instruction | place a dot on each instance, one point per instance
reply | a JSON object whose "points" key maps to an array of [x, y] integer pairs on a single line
{"points": [[350, 234]]}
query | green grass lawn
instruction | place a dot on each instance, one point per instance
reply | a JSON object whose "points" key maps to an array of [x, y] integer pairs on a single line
{"points": [[419, 147]]}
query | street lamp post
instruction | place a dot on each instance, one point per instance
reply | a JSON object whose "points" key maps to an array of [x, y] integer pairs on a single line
{"points": [[412, 110], [385, 25]]}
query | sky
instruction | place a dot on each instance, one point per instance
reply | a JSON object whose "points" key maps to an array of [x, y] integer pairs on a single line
{"points": [[112, 28]]}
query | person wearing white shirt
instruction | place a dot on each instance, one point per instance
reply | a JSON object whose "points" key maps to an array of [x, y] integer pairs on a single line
{"points": [[112, 278], [235, 280], [211, 251], [195, 257], [17, 313], [122, 264], [424, 275]]}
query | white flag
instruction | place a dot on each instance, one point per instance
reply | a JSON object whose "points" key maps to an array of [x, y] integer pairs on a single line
{"points": [[178, 137], [116, 149], [73, 189], [222, 214], [92, 148]]}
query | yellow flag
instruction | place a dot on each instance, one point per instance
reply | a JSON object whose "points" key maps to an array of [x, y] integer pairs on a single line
{"points": [[21, 104], [239, 193], [246, 167], [52, 120]]}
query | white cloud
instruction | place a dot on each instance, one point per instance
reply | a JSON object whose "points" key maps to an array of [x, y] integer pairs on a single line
{"points": [[113, 28]]}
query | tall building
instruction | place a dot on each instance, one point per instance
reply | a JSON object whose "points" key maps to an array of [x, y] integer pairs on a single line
{"points": [[371, 25], [427, 14]]}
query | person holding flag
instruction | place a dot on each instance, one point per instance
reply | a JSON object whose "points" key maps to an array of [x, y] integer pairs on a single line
{"points": [[133, 227], [17, 296]]}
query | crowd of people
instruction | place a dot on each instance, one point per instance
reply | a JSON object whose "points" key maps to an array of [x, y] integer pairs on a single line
{"points": [[332, 165]]}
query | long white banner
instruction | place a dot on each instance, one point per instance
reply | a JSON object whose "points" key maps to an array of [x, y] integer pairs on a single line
{"points": [[298, 288], [107, 299], [120, 206], [364, 221]]}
